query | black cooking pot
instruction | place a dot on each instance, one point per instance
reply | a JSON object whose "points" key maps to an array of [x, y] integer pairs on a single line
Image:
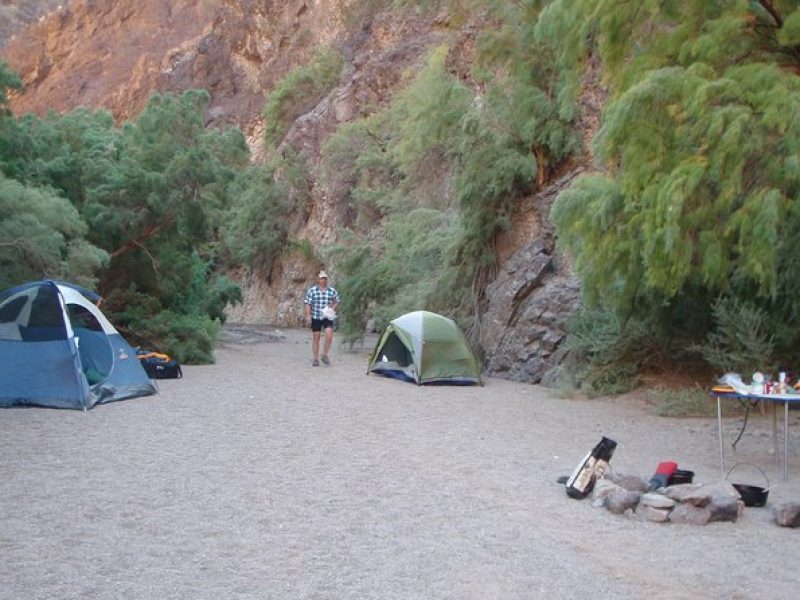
{"points": [[752, 495]]}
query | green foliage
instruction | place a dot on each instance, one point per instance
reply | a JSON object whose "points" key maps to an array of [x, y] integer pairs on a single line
{"points": [[512, 140], [8, 81], [359, 155], [305, 248], [427, 115], [741, 342], [703, 178], [42, 235], [697, 197], [145, 322], [684, 402], [299, 91], [401, 278], [257, 225], [134, 209], [265, 198], [606, 352], [458, 160]]}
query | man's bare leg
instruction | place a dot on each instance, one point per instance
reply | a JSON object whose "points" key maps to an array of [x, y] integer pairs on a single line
{"points": [[315, 344], [327, 345]]}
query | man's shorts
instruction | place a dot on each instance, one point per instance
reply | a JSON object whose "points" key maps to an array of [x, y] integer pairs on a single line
{"points": [[320, 324]]}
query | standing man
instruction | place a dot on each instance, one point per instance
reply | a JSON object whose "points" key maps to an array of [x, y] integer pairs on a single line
{"points": [[321, 301]]}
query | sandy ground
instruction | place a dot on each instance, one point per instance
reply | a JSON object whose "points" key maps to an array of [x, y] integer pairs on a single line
{"points": [[262, 477]]}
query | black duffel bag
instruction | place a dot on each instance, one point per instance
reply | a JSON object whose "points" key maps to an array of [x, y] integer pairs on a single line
{"points": [[159, 366]]}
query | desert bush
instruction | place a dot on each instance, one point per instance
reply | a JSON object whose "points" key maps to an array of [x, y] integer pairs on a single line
{"points": [[607, 353], [683, 402], [299, 91], [740, 341]]}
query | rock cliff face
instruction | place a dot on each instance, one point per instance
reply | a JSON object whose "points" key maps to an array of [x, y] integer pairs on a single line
{"points": [[102, 54], [16, 15], [523, 327], [115, 53]]}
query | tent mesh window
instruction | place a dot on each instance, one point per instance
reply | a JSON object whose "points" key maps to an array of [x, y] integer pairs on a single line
{"points": [[97, 357], [33, 319], [395, 351]]}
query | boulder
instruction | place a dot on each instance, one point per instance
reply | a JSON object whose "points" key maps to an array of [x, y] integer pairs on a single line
{"points": [[723, 508], [632, 483], [602, 488], [688, 493], [657, 501], [657, 515], [787, 514], [687, 514], [621, 500], [700, 494], [529, 302]]}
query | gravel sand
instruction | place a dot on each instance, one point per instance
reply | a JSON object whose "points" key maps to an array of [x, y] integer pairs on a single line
{"points": [[262, 477]]}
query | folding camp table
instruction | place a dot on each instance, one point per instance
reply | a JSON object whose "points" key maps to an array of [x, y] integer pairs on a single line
{"points": [[776, 399]]}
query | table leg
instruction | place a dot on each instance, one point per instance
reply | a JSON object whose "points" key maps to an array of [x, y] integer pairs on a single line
{"points": [[719, 436], [785, 441], [775, 434]]}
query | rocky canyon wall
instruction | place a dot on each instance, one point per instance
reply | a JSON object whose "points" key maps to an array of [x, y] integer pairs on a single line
{"points": [[114, 54]]}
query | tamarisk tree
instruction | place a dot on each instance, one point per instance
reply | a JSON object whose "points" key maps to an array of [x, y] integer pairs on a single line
{"points": [[696, 196]]}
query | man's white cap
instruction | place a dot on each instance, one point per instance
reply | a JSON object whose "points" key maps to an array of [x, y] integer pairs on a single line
{"points": [[323, 274]]}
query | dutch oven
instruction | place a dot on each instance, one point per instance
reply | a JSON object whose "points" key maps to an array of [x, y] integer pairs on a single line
{"points": [[752, 495]]}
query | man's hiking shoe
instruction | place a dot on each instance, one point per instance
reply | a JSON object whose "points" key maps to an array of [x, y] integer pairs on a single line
{"points": [[325, 360], [315, 363]]}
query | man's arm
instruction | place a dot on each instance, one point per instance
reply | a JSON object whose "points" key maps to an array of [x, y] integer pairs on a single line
{"points": [[307, 301]]}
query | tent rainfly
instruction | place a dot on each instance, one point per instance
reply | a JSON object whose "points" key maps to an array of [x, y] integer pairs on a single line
{"points": [[424, 347], [58, 350]]}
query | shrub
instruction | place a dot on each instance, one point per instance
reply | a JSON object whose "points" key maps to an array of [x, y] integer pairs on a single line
{"points": [[299, 91], [607, 353], [684, 402], [740, 342]]}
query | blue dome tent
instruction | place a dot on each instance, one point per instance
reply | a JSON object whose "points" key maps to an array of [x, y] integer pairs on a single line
{"points": [[58, 350]]}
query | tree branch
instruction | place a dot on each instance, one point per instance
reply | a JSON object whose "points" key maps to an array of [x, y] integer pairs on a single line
{"points": [[146, 251], [774, 11], [148, 233]]}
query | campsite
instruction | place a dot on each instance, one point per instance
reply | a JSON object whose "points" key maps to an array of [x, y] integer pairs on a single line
{"points": [[260, 477], [399, 299]]}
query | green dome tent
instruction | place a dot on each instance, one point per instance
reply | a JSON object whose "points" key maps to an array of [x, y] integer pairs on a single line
{"points": [[424, 347]]}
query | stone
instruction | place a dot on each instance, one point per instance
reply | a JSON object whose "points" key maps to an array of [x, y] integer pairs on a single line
{"points": [[632, 483], [657, 501], [602, 488], [688, 493], [721, 488], [687, 514], [701, 494], [621, 500], [723, 508], [524, 326], [787, 514], [657, 515]]}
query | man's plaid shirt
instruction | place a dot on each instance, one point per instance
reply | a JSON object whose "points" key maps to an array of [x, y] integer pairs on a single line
{"points": [[319, 299]]}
